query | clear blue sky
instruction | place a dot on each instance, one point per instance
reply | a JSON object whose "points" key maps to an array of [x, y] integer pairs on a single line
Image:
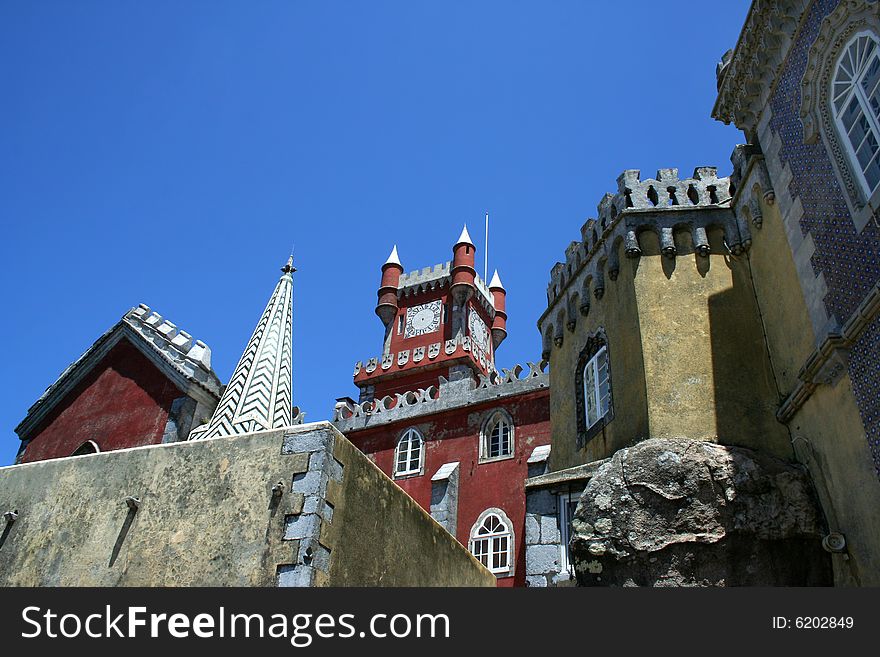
{"points": [[171, 153]]}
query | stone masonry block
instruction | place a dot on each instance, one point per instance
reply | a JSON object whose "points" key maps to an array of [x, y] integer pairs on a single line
{"points": [[299, 463], [550, 530], [295, 504], [542, 559], [533, 529], [541, 502], [302, 526]]}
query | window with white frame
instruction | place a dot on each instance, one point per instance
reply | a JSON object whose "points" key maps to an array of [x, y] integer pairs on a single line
{"points": [[409, 453], [597, 390], [567, 505], [492, 541], [497, 436], [855, 98]]}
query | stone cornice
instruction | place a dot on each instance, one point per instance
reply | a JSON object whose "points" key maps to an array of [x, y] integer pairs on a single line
{"points": [[747, 80]]}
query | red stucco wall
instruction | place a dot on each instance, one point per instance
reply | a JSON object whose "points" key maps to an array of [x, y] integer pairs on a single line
{"points": [[123, 402], [455, 436]]}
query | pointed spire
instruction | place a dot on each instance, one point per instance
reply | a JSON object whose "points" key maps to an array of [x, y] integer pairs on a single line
{"points": [[393, 259], [496, 281], [259, 394], [464, 238], [289, 268]]}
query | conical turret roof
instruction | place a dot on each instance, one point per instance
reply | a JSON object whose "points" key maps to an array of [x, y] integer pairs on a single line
{"points": [[465, 237], [259, 395]]}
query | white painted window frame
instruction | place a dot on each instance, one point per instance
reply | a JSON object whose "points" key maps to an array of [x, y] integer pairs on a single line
{"points": [[494, 418], [591, 374], [873, 123], [562, 504], [505, 571], [407, 437]]}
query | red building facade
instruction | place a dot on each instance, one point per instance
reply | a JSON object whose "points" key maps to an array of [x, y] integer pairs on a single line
{"points": [[436, 416], [143, 382]]}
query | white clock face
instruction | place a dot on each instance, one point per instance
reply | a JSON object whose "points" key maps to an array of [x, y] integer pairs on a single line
{"points": [[477, 328], [423, 319]]}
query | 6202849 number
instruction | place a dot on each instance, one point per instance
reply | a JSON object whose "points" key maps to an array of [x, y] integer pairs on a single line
{"points": [[823, 622]]}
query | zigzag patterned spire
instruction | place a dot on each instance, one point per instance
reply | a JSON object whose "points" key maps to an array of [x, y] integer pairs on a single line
{"points": [[260, 393]]}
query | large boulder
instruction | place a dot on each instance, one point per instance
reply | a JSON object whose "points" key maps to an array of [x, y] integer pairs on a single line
{"points": [[693, 513]]}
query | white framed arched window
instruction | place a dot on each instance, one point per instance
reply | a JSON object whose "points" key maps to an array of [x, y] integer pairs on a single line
{"points": [[409, 453], [855, 100], [88, 447], [496, 438], [491, 541]]}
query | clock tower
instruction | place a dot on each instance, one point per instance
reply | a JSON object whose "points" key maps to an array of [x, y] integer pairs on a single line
{"points": [[441, 321]]}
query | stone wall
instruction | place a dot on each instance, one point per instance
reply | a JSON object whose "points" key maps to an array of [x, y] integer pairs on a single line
{"points": [[297, 506]]}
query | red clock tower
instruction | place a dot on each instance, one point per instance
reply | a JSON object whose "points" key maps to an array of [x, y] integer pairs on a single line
{"points": [[434, 413], [441, 321]]}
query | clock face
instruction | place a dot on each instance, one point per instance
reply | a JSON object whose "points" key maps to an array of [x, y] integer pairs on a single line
{"points": [[477, 328], [423, 319]]}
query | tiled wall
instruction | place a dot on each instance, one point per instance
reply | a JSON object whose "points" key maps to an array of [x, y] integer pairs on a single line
{"points": [[849, 261]]}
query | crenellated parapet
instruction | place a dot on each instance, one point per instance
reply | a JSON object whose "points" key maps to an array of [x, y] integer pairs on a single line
{"points": [[408, 359], [191, 356], [666, 206], [439, 277], [453, 393]]}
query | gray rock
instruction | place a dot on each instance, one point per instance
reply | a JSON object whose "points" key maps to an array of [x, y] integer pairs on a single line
{"points": [[694, 513]]}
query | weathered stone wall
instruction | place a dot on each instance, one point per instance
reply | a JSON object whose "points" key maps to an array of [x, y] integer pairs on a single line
{"points": [[616, 312], [543, 540], [827, 430], [814, 257], [687, 355], [706, 363], [207, 516], [695, 513]]}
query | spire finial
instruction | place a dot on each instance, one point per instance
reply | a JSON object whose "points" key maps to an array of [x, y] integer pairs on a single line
{"points": [[465, 237], [289, 268], [393, 259], [496, 281]]}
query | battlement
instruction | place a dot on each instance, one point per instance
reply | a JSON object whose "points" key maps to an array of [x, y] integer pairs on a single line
{"points": [[665, 205], [425, 277], [192, 357], [439, 276], [420, 356], [351, 416]]}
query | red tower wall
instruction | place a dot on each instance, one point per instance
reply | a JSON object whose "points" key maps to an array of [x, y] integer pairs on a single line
{"points": [[124, 401], [454, 435]]}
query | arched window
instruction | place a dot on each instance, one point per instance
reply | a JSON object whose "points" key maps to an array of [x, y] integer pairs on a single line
{"points": [[88, 447], [496, 438], [409, 455], [492, 541], [855, 97], [840, 105]]}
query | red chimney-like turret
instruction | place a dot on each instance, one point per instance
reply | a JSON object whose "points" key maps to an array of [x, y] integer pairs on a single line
{"points": [[463, 272], [499, 297], [386, 308]]}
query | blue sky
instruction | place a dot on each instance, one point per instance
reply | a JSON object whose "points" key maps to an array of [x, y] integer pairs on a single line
{"points": [[171, 153]]}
